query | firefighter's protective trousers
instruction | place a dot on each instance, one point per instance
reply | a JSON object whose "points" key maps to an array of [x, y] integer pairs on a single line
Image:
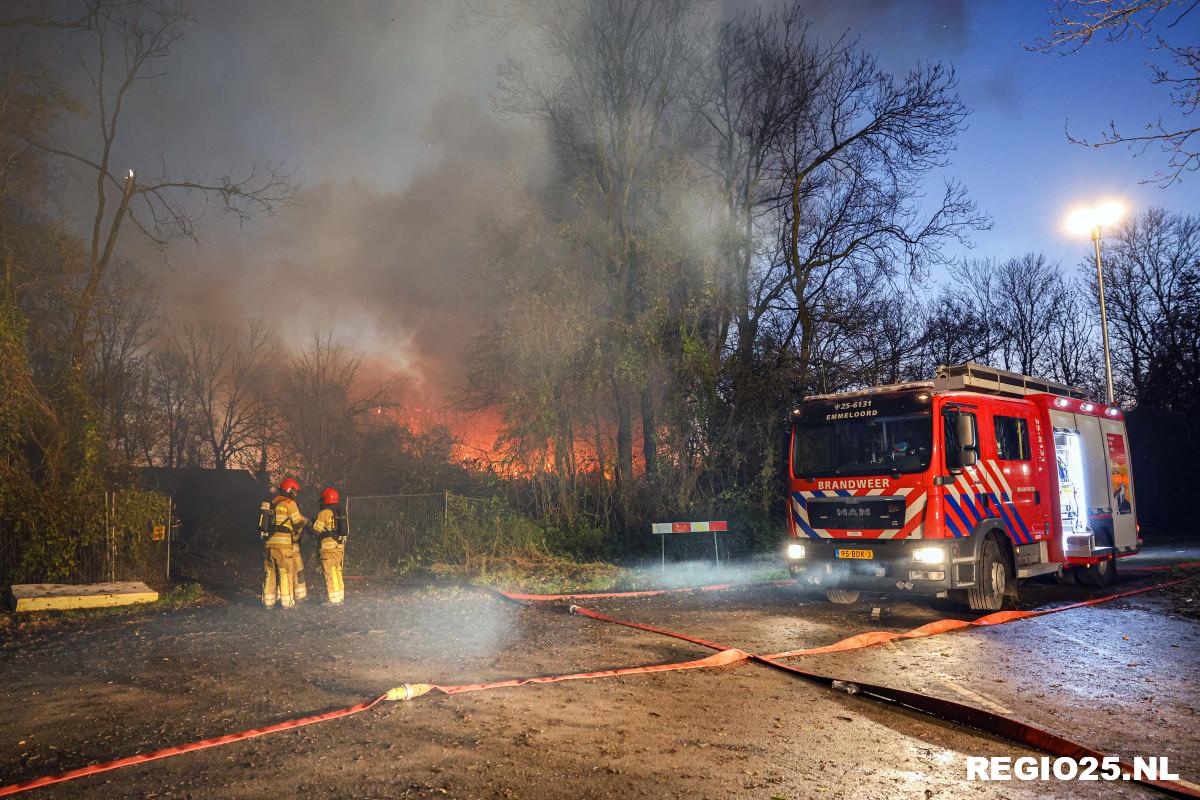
{"points": [[277, 586], [279, 563], [332, 555], [298, 568]]}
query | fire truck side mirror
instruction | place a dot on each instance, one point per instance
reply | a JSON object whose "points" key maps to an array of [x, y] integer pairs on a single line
{"points": [[964, 425], [962, 447]]}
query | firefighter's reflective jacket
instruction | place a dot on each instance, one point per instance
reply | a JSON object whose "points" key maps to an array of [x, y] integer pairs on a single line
{"points": [[330, 527], [287, 522]]}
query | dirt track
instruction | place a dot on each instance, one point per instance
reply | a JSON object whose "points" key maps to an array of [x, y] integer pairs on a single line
{"points": [[1121, 677]]}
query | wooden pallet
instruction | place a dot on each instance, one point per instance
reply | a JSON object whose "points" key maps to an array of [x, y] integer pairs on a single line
{"points": [[61, 596]]}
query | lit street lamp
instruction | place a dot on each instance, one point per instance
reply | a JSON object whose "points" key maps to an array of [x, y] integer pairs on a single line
{"points": [[1090, 221]]}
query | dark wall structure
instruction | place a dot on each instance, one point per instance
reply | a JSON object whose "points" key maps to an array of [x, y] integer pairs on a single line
{"points": [[216, 509], [1165, 472]]}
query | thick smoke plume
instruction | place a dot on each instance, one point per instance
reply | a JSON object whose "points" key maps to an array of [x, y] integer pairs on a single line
{"points": [[393, 274]]}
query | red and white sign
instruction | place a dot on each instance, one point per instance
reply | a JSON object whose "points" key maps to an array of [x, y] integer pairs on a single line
{"points": [[689, 527]]}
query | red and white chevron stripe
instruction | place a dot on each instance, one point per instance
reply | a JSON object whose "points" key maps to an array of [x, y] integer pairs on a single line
{"points": [[915, 501]]}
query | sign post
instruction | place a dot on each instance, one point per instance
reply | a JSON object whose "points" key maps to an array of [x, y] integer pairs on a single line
{"points": [[663, 528]]}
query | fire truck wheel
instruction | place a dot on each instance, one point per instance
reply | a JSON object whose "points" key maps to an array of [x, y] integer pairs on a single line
{"points": [[1101, 574], [1068, 577], [991, 579], [842, 597]]}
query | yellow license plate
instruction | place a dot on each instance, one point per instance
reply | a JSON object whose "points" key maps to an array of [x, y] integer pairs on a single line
{"points": [[865, 554]]}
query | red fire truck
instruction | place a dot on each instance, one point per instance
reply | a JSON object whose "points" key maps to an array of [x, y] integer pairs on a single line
{"points": [[958, 487]]}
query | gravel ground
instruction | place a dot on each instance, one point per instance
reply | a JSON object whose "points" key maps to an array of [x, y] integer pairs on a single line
{"points": [[1120, 677]]}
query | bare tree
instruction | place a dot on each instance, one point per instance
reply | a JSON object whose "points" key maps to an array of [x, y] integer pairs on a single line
{"points": [[958, 325], [124, 324], [848, 175], [1150, 281], [798, 164], [127, 43], [179, 442], [321, 410], [229, 375], [610, 102], [1073, 354], [886, 345], [1076, 23], [1031, 295], [762, 75], [1012, 311]]}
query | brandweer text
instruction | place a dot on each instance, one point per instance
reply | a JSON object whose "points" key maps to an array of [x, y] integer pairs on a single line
{"points": [[854, 483]]}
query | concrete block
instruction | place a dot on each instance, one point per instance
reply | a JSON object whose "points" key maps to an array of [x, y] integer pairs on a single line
{"points": [[61, 596]]}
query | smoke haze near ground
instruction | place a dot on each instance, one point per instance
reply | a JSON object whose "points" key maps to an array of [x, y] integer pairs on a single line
{"points": [[707, 572]]}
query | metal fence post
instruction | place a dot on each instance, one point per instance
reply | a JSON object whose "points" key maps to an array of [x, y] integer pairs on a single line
{"points": [[110, 501], [170, 533]]}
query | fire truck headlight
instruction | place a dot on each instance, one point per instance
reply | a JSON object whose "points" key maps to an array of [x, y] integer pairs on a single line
{"points": [[930, 555], [795, 551]]}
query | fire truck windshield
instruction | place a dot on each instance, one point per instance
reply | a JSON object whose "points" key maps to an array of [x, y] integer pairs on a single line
{"points": [[862, 446]]}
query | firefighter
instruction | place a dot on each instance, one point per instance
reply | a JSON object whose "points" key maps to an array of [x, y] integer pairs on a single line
{"points": [[330, 529], [282, 524]]}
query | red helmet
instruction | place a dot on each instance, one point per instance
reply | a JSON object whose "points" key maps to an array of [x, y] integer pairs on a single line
{"points": [[289, 486], [329, 496]]}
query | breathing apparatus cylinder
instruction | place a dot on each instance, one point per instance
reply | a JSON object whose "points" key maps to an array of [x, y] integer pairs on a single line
{"points": [[340, 528], [265, 520]]}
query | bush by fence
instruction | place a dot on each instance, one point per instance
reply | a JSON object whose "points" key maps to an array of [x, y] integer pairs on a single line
{"points": [[112, 536], [392, 533]]}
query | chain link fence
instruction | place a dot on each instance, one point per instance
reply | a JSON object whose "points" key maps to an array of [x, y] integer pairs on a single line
{"points": [[139, 539], [127, 536], [387, 531]]}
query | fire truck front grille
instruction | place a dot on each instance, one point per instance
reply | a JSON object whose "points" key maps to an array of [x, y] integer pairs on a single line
{"points": [[857, 513]]}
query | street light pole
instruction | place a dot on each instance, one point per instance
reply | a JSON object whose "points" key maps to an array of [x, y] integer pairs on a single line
{"points": [[1103, 315]]}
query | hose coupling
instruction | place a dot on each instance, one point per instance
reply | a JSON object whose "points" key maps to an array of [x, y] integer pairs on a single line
{"points": [[408, 691]]}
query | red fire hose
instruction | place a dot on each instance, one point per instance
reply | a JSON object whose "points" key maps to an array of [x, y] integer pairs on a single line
{"points": [[979, 719], [872, 638], [166, 752], [404, 692]]}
